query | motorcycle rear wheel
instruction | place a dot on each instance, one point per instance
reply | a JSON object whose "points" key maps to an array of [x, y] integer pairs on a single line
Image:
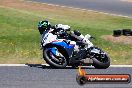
{"points": [[100, 65], [101, 62]]}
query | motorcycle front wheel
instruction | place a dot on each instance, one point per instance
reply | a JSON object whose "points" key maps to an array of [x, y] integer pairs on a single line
{"points": [[53, 61]]}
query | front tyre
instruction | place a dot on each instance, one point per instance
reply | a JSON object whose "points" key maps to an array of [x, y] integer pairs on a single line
{"points": [[54, 61]]}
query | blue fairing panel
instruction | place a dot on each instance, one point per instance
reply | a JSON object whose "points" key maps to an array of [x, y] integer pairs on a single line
{"points": [[69, 48], [53, 50]]}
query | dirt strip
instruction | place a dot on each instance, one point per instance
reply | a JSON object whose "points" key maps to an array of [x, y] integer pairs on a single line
{"points": [[120, 39]]}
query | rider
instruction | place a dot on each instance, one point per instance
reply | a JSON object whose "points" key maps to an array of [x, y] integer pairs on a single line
{"points": [[56, 29], [45, 25]]}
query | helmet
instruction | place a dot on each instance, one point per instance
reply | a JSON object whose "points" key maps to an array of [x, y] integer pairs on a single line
{"points": [[43, 25]]}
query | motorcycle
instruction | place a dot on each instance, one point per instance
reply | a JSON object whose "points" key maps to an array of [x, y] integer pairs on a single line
{"points": [[64, 50]]}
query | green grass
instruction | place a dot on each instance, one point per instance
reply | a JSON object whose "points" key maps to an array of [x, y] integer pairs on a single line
{"points": [[19, 41], [19, 37]]}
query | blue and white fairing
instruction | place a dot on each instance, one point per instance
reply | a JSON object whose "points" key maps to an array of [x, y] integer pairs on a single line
{"points": [[68, 47], [49, 39]]}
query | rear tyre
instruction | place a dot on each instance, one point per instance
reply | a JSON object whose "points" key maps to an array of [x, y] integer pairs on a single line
{"points": [[101, 65], [100, 60], [53, 61]]}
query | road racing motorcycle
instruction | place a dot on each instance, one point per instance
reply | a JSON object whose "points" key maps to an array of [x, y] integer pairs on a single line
{"points": [[65, 49]]}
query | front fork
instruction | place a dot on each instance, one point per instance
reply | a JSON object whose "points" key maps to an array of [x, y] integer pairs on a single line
{"points": [[56, 55], [55, 52]]}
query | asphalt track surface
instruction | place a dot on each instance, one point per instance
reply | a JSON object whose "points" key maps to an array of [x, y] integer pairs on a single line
{"points": [[41, 76], [118, 7]]}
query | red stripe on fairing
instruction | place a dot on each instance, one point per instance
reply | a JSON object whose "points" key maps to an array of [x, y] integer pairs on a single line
{"points": [[72, 44], [61, 41], [54, 41]]}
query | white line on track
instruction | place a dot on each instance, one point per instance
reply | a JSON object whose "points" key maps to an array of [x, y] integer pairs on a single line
{"points": [[48, 65], [120, 65], [13, 65], [20, 64], [79, 9]]}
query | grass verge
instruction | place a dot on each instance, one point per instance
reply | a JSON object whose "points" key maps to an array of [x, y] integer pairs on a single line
{"points": [[19, 38]]}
